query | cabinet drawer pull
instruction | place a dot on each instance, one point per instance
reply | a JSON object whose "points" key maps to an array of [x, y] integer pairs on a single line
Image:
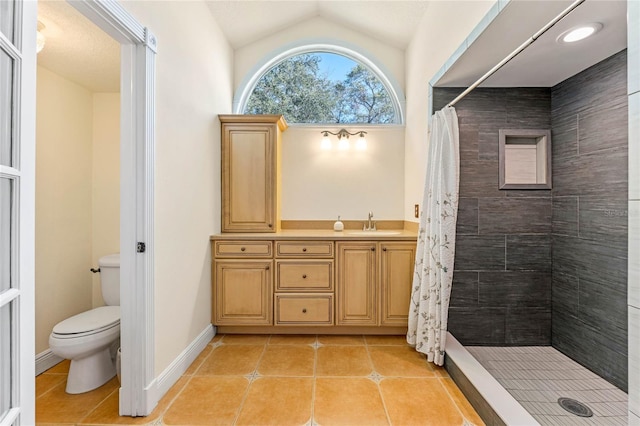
{"points": [[304, 310], [304, 275], [271, 225], [268, 268], [384, 249], [373, 249], [304, 249], [242, 248]]}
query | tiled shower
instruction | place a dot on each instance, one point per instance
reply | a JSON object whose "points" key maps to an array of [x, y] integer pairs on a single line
{"points": [[547, 267]]}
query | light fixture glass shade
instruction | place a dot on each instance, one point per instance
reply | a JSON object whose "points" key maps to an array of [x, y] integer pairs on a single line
{"points": [[343, 143], [40, 40], [361, 144], [579, 33], [326, 143]]}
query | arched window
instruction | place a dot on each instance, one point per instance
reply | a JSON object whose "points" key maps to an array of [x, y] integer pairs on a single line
{"points": [[323, 87]]}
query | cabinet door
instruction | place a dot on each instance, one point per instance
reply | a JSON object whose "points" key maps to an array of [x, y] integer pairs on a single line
{"points": [[249, 178], [243, 292], [396, 277], [356, 283]]}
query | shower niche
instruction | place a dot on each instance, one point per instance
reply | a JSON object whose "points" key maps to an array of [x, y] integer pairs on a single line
{"points": [[525, 158]]}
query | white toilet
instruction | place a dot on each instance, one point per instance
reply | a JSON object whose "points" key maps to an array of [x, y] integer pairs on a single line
{"points": [[87, 338]]}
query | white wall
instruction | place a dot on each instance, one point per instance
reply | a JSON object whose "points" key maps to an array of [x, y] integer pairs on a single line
{"points": [[194, 85], [443, 28], [105, 164], [63, 202], [320, 185]]}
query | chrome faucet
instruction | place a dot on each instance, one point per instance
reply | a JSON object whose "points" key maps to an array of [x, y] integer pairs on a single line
{"points": [[370, 225]]}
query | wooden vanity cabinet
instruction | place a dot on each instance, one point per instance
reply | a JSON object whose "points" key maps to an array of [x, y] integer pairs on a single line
{"points": [[242, 276], [250, 153], [374, 282]]}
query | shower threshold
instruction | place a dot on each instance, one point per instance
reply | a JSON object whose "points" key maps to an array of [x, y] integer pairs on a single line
{"points": [[524, 385]]}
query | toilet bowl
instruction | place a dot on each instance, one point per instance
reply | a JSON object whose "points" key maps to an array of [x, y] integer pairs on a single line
{"points": [[87, 339]]}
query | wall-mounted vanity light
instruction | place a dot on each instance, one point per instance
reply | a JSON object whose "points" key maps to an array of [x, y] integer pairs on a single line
{"points": [[343, 140]]}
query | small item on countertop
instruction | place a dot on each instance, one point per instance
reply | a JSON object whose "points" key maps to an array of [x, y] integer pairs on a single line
{"points": [[338, 226]]}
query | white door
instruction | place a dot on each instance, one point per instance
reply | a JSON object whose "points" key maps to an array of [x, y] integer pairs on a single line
{"points": [[17, 160]]}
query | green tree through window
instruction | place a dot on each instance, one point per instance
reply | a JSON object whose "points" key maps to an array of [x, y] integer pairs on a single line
{"points": [[304, 90]]}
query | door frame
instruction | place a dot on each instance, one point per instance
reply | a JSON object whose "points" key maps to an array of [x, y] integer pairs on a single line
{"points": [[138, 396]]}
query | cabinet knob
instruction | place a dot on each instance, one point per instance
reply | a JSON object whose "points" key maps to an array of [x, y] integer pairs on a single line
{"points": [[384, 249], [304, 249], [304, 275], [242, 248], [304, 310], [271, 225], [373, 249], [268, 268]]}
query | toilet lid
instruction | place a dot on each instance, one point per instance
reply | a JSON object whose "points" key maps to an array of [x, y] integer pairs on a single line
{"points": [[93, 320]]}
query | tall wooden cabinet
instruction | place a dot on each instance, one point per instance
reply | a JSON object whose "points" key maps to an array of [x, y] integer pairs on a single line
{"points": [[251, 172]]}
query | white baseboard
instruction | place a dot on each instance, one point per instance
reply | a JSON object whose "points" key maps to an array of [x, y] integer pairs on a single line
{"points": [[45, 360], [176, 369]]}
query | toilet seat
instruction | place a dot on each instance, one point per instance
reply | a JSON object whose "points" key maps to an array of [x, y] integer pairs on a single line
{"points": [[88, 323]]}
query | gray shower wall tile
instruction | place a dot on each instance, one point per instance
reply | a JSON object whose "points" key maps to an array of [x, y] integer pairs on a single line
{"points": [[479, 253], [464, 289], [565, 291], [603, 354], [603, 219], [527, 193], [603, 126], [529, 252], [564, 136], [603, 305], [515, 289], [468, 145], [467, 222], [591, 259], [479, 178], [514, 215], [528, 326], [477, 326], [565, 216], [599, 173], [595, 85], [528, 108], [443, 95]]}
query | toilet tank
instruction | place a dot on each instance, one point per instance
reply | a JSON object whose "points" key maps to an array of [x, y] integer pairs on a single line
{"points": [[110, 278]]}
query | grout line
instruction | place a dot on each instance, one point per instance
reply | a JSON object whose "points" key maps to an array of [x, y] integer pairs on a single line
{"points": [[312, 420], [246, 393], [373, 370], [102, 401]]}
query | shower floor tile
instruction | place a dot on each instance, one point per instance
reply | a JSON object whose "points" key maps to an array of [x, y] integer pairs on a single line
{"points": [[537, 376]]}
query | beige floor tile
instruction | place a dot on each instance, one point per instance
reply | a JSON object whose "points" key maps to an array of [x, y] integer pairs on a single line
{"points": [[439, 370], [231, 360], [422, 402], [340, 340], [46, 382], [277, 401], [60, 368], [199, 360], [287, 360], [343, 361], [286, 339], [107, 412], [207, 401], [348, 401], [461, 402], [245, 339], [399, 361], [57, 406], [386, 340], [216, 338]]}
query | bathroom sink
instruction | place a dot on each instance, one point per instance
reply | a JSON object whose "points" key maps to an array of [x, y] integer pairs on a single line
{"points": [[373, 233]]}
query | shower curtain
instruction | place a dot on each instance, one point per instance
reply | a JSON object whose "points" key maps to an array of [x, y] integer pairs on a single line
{"points": [[433, 272]]}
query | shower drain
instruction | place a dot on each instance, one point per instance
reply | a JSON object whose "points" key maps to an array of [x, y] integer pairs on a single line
{"points": [[575, 407]]}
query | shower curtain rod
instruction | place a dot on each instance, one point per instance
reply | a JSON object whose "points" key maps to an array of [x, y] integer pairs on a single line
{"points": [[517, 51]]}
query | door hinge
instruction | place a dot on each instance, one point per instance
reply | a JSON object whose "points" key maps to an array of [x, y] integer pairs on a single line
{"points": [[141, 247]]}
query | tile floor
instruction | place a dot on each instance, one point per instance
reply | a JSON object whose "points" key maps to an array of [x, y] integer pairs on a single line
{"points": [[536, 376], [281, 380]]}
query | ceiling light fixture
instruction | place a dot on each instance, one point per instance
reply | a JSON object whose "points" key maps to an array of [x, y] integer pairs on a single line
{"points": [[40, 38], [579, 33], [343, 140]]}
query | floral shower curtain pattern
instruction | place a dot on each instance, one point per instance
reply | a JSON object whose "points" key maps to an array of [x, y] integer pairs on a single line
{"points": [[433, 272]]}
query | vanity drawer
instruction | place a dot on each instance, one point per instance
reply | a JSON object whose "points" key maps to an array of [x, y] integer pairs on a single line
{"points": [[304, 275], [304, 248], [239, 248], [304, 309]]}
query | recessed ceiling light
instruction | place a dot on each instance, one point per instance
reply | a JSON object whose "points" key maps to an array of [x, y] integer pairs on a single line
{"points": [[579, 33]]}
